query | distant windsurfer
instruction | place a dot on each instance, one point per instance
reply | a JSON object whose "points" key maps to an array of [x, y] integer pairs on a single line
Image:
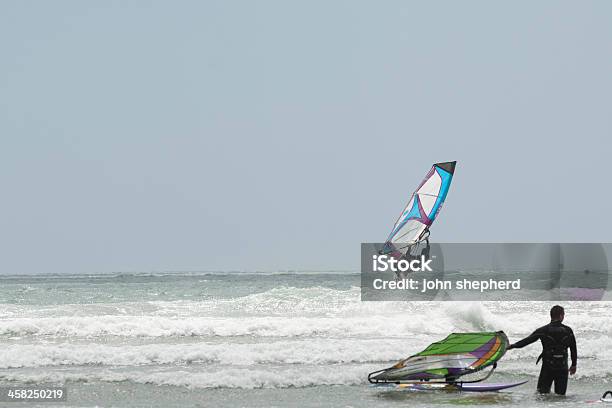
{"points": [[415, 251], [556, 338]]}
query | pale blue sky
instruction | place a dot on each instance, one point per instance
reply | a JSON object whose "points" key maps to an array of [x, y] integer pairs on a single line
{"points": [[200, 135]]}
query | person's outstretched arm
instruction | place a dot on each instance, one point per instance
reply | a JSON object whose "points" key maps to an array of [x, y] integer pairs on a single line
{"points": [[573, 353], [533, 337]]}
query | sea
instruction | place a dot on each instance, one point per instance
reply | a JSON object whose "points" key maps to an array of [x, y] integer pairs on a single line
{"points": [[257, 339]]}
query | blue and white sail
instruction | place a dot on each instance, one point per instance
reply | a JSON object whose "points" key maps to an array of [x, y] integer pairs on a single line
{"points": [[413, 224]]}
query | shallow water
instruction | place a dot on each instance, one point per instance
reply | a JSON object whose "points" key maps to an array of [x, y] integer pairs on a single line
{"points": [[249, 339]]}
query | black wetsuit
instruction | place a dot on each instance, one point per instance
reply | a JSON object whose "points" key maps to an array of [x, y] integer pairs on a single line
{"points": [[556, 338]]}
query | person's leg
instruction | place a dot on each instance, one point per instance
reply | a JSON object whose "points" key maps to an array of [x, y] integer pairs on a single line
{"points": [[545, 380], [560, 377]]}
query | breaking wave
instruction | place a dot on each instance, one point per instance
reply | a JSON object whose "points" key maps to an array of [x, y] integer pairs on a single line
{"points": [[281, 337], [315, 351]]}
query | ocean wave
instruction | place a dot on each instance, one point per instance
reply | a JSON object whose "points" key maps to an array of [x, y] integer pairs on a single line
{"points": [[325, 302], [155, 326], [314, 351], [283, 300], [327, 318], [248, 378], [323, 351]]}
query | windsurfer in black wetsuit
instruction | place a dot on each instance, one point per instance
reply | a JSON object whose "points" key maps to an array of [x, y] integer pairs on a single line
{"points": [[556, 338]]}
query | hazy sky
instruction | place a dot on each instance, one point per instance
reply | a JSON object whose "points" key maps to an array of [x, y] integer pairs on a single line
{"points": [[201, 135]]}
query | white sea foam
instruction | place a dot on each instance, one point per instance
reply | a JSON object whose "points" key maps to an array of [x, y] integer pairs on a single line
{"points": [[312, 351], [304, 351], [248, 378], [154, 326], [354, 318], [282, 337], [220, 378]]}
